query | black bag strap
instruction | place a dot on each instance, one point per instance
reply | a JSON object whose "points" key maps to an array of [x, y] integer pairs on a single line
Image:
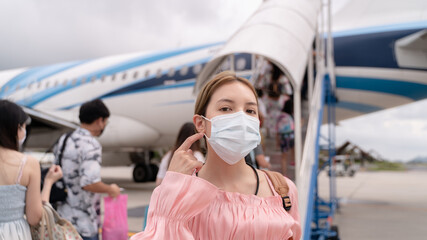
{"points": [[61, 153]]}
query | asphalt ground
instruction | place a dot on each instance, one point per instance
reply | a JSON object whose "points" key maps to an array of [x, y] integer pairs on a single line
{"points": [[380, 205]]}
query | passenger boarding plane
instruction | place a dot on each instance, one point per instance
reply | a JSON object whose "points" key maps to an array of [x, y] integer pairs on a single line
{"points": [[380, 63]]}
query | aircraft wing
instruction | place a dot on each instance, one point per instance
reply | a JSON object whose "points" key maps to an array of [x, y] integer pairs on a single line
{"points": [[45, 128], [49, 120], [122, 132]]}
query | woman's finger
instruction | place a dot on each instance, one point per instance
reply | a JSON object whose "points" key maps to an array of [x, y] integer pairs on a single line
{"points": [[189, 141]]}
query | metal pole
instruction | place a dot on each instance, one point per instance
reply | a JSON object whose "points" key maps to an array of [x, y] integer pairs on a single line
{"points": [[330, 61], [298, 129], [310, 77]]}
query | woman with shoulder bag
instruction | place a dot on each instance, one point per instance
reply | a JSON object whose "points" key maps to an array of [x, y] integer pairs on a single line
{"points": [[19, 177], [225, 198]]}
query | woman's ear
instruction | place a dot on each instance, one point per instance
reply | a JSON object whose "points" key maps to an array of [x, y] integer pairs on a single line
{"points": [[199, 123]]}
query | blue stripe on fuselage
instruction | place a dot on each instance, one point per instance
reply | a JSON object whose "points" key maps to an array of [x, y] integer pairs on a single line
{"points": [[35, 75], [415, 91], [148, 89], [43, 95], [358, 107], [156, 82], [141, 85]]}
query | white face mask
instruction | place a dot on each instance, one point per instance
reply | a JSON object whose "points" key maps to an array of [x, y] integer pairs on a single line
{"points": [[233, 136], [21, 141]]}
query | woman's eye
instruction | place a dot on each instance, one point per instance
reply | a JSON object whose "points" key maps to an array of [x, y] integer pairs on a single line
{"points": [[225, 109], [251, 111]]}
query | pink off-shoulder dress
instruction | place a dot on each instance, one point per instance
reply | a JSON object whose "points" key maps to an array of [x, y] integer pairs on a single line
{"points": [[187, 207]]}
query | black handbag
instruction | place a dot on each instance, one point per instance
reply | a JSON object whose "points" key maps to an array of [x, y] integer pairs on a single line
{"points": [[58, 193]]}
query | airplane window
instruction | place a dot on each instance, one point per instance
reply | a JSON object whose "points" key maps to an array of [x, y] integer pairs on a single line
{"points": [[225, 65], [83, 80], [56, 83], [171, 72], [135, 75], [39, 85], [29, 85], [103, 78], [183, 71], [65, 82], [74, 82], [159, 73], [6, 88], [241, 63], [113, 77], [147, 73], [93, 79], [18, 87], [47, 84], [197, 68], [124, 76]]}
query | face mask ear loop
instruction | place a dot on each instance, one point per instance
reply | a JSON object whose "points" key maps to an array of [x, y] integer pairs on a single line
{"points": [[207, 119]]}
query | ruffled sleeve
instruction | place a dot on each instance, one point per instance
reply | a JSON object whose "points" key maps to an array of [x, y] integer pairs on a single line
{"points": [[293, 195], [173, 204]]}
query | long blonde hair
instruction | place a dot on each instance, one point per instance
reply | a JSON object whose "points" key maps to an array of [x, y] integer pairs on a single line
{"points": [[210, 87]]}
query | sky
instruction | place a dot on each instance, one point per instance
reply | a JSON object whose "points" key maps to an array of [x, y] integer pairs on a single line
{"points": [[46, 31]]}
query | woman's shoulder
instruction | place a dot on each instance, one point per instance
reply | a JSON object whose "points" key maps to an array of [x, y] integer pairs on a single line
{"points": [[31, 167], [290, 184], [31, 160], [13, 158]]}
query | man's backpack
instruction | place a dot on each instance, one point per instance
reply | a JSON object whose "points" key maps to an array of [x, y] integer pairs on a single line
{"points": [[281, 187], [58, 192]]}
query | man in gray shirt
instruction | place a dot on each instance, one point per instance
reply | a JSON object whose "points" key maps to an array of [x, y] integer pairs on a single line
{"points": [[81, 166]]}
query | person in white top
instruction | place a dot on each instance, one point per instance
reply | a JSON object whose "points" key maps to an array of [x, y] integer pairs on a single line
{"points": [[186, 130]]}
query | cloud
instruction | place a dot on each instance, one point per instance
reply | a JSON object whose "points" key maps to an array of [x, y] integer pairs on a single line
{"points": [[46, 32], [396, 134]]}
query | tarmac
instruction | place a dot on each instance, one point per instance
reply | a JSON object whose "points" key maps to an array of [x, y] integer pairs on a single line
{"points": [[380, 205], [373, 205]]}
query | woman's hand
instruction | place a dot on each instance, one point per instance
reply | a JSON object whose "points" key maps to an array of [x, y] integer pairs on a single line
{"points": [[183, 160], [54, 174]]}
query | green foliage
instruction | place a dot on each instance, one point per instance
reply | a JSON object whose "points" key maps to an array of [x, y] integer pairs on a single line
{"points": [[386, 166]]}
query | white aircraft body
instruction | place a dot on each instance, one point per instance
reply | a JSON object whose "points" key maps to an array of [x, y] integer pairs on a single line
{"points": [[379, 64], [379, 61], [149, 95]]}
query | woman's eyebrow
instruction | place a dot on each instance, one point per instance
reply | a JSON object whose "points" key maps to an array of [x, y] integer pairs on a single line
{"points": [[231, 101], [252, 103], [225, 100]]}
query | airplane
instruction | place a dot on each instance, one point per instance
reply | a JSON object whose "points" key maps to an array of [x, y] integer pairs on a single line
{"points": [[142, 91], [377, 67], [379, 62]]}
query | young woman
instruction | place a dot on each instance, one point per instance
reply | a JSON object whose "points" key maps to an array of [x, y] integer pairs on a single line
{"points": [[225, 198], [186, 131], [19, 177]]}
